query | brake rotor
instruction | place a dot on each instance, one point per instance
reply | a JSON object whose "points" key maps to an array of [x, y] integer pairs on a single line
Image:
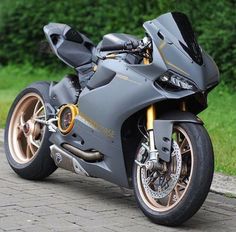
{"points": [[163, 184]]}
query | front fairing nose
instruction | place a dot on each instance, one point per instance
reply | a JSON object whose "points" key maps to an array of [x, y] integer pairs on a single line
{"points": [[174, 39], [202, 75]]}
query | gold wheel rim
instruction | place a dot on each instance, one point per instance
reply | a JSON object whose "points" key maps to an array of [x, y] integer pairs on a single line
{"points": [[177, 194], [25, 134]]}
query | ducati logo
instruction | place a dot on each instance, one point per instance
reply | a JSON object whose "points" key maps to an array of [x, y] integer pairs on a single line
{"points": [[58, 158]]}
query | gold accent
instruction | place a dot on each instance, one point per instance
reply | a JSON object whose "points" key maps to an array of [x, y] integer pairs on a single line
{"points": [[145, 59], [163, 44], [151, 111], [151, 116], [179, 69], [111, 56], [95, 68], [123, 78], [183, 106], [127, 79], [106, 131], [74, 112]]}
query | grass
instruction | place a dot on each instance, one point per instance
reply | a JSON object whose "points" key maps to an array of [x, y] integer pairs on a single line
{"points": [[219, 118], [220, 121], [13, 79]]}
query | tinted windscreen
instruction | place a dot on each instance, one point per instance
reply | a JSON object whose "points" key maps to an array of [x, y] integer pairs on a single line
{"points": [[179, 26]]}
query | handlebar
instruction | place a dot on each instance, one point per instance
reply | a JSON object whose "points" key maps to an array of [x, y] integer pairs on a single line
{"points": [[129, 45]]}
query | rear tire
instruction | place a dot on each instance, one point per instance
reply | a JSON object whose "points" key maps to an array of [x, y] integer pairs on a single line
{"points": [[186, 201], [27, 145]]}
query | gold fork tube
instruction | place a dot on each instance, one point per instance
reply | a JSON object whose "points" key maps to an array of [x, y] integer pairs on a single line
{"points": [[151, 112], [151, 116], [145, 59]]}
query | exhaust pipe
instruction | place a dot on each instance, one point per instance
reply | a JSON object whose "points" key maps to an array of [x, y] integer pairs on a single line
{"points": [[66, 161], [89, 156]]}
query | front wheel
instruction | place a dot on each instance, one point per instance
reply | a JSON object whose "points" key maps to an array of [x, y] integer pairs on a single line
{"points": [[172, 197]]}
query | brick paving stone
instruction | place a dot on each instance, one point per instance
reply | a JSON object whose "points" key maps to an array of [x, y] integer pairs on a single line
{"points": [[67, 202]]}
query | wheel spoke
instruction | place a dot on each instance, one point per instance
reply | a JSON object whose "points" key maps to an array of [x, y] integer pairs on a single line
{"points": [[30, 146], [177, 192], [178, 138], [170, 198], [28, 152], [31, 141], [183, 144], [31, 149], [181, 185], [36, 107], [40, 117], [22, 121], [186, 152], [19, 132], [36, 114]]}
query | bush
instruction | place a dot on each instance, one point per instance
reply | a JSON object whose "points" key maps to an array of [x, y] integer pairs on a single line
{"points": [[22, 22], [22, 28], [214, 22]]}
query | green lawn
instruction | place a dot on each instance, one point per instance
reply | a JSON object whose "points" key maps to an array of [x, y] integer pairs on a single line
{"points": [[219, 118], [15, 78], [220, 121]]}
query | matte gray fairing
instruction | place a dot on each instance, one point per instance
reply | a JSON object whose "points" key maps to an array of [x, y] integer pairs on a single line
{"points": [[166, 36], [70, 46], [103, 111], [122, 89]]}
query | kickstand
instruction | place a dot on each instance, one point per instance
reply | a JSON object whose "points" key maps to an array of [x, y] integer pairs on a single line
{"points": [[125, 192]]}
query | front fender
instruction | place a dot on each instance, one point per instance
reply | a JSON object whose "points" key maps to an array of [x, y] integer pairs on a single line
{"points": [[163, 128]]}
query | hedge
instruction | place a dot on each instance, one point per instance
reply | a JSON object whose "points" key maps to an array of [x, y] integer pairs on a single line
{"points": [[21, 24]]}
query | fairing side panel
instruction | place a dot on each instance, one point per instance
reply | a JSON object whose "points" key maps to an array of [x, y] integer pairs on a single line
{"points": [[103, 111], [111, 104]]}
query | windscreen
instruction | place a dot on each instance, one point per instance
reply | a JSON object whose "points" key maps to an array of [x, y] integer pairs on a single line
{"points": [[179, 26]]}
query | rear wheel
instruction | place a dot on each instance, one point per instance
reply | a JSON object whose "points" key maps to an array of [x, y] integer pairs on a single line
{"points": [[26, 140], [173, 196]]}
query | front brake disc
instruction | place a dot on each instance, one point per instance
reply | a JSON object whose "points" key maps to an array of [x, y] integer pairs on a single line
{"points": [[163, 185]]}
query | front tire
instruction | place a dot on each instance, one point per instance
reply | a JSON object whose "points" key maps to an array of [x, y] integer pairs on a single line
{"points": [[189, 193], [27, 145]]}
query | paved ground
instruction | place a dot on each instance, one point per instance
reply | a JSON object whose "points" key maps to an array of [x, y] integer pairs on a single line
{"points": [[67, 202]]}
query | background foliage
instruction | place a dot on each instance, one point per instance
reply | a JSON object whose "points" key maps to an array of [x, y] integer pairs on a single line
{"points": [[21, 23]]}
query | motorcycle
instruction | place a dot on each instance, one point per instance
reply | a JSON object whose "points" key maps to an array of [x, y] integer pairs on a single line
{"points": [[128, 115]]}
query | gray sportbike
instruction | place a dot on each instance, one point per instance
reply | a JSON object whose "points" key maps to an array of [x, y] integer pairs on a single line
{"points": [[127, 115]]}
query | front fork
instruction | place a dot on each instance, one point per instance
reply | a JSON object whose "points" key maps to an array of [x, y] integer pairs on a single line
{"points": [[151, 116], [153, 161]]}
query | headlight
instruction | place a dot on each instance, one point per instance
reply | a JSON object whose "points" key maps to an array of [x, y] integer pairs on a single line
{"points": [[171, 80]]}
